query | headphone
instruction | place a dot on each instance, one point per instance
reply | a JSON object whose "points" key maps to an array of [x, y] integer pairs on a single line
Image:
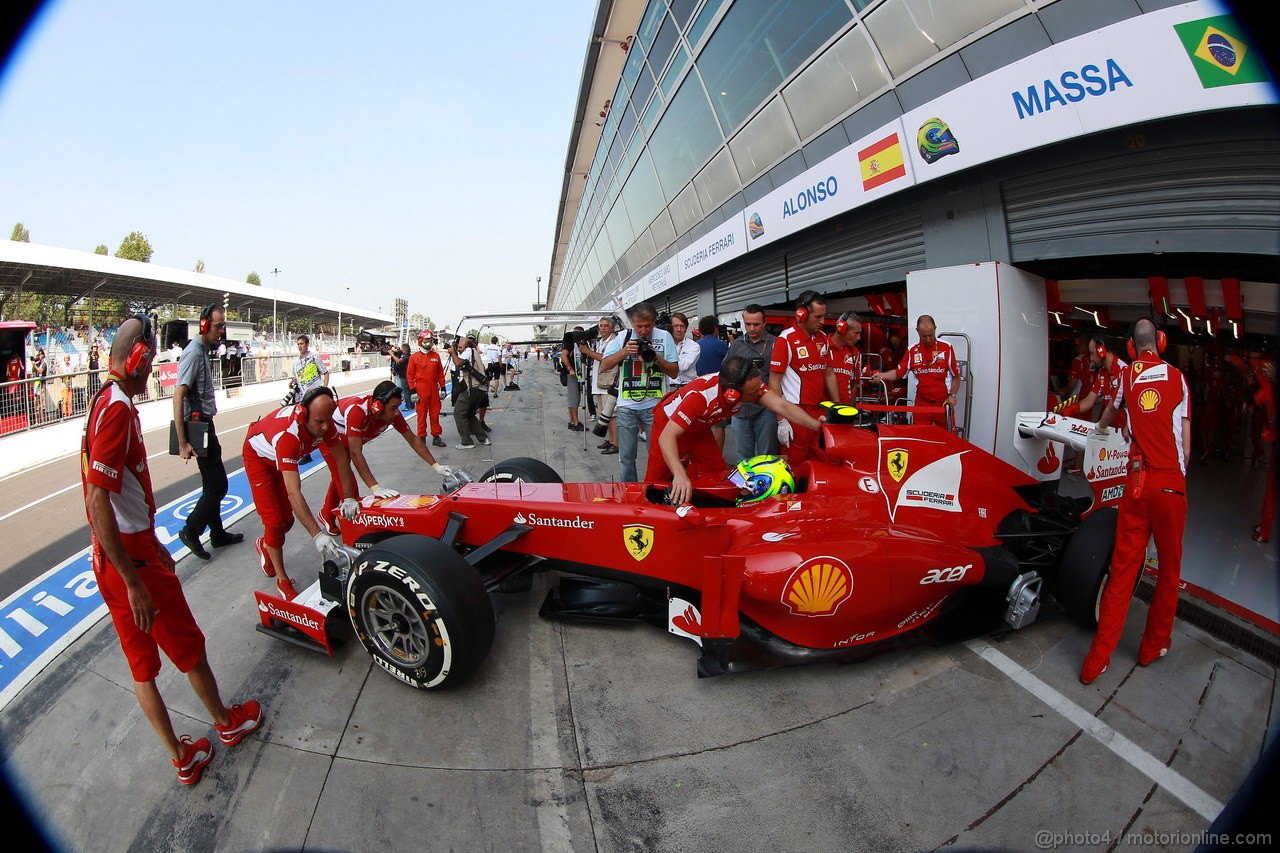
{"points": [[1098, 345], [804, 303], [206, 318], [378, 402], [1162, 339], [734, 381], [302, 410], [138, 361], [842, 325]]}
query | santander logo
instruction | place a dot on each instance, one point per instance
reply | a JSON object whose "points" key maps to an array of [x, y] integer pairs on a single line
{"points": [[1050, 461]]}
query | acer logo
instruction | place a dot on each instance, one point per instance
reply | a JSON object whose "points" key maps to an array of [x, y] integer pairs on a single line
{"points": [[951, 575]]}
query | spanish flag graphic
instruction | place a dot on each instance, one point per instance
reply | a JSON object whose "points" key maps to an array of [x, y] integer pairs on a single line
{"points": [[881, 162], [1219, 52]]}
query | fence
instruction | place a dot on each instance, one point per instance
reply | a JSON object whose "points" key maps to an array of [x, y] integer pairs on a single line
{"points": [[42, 401]]}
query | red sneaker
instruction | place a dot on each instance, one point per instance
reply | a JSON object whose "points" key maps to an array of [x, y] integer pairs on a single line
{"points": [[195, 755], [245, 719], [328, 523], [287, 590], [264, 559]]}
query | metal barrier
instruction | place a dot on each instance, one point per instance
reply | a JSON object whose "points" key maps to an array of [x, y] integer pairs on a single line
{"points": [[42, 401]]}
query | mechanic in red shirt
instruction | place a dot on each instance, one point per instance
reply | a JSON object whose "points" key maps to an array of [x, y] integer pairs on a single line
{"points": [[934, 364], [1106, 383], [426, 376], [1154, 501], [359, 421], [798, 374], [683, 422], [272, 449], [134, 572], [1082, 374], [845, 361], [1264, 400]]}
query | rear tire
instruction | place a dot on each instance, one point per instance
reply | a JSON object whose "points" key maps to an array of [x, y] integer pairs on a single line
{"points": [[1085, 568], [421, 611], [521, 469]]}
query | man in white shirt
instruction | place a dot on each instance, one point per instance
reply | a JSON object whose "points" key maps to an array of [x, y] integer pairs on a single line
{"points": [[687, 351]]}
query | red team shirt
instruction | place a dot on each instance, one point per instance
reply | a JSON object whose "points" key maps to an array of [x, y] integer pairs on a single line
{"points": [[846, 362], [1107, 384], [1148, 389], [931, 367], [1081, 373], [281, 440], [352, 418], [699, 402], [117, 460], [802, 361]]}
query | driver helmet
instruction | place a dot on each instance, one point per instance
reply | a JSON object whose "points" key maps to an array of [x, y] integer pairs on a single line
{"points": [[762, 477], [426, 337]]}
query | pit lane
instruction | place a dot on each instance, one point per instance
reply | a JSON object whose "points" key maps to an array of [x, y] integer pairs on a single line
{"points": [[590, 738]]}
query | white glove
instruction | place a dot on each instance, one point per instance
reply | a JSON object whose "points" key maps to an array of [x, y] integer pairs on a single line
{"points": [[349, 508], [443, 470], [785, 433], [413, 399], [328, 546], [383, 491], [443, 393]]}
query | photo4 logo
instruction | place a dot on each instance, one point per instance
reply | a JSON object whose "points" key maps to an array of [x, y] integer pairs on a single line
{"points": [[1220, 53]]}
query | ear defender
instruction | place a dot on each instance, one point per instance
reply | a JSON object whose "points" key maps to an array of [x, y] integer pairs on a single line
{"points": [[138, 361], [802, 314], [732, 396], [206, 318]]}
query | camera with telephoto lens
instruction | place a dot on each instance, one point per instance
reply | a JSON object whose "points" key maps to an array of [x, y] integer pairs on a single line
{"points": [[605, 413], [572, 339], [291, 396], [647, 352]]}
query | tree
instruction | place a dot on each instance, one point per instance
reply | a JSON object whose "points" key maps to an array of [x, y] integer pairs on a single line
{"points": [[20, 234], [199, 266], [135, 247], [253, 279], [102, 249]]}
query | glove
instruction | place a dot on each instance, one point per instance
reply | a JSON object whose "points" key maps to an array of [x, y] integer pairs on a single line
{"points": [[443, 393], [349, 508], [328, 546], [785, 433], [383, 491], [413, 398], [443, 470]]}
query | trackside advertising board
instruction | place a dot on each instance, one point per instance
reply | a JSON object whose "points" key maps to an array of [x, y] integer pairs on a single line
{"points": [[1176, 61]]}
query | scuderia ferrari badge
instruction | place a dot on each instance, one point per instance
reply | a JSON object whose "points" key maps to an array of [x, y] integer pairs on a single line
{"points": [[639, 540], [896, 461]]}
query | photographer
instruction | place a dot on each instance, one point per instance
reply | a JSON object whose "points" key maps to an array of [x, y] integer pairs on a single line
{"points": [[648, 359], [473, 380], [573, 373], [755, 429], [603, 386]]}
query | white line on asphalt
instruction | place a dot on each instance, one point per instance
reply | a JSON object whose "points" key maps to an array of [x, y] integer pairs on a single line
{"points": [[1163, 775], [544, 741]]}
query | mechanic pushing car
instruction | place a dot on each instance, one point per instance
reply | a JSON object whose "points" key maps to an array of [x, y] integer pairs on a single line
{"points": [[359, 421], [683, 421], [425, 377], [272, 450], [133, 571], [1154, 501]]}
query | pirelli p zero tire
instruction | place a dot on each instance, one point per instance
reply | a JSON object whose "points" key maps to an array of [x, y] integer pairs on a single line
{"points": [[420, 611], [521, 469], [1085, 568]]}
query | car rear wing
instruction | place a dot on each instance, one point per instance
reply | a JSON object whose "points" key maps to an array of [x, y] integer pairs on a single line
{"points": [[1042, 438]]}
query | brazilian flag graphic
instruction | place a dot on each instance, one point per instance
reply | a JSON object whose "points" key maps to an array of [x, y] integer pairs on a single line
{"points": [[1219, 52]]}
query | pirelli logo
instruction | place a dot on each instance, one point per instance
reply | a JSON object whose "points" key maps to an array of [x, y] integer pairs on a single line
{"points": [[104, 469]]}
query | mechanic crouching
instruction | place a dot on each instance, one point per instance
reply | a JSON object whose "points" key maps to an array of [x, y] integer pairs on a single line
{"points": [[359, 421], [272, 450], [683, 422]]}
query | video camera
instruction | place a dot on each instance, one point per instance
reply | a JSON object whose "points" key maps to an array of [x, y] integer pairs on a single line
{"points": [[572, 339]]}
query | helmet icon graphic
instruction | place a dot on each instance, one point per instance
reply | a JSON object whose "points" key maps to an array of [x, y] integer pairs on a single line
{"points": [[936, 140]]}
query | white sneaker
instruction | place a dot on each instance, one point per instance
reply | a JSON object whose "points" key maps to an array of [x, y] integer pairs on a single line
{"points": [[643, 437], [486, 442], [467, 446]]}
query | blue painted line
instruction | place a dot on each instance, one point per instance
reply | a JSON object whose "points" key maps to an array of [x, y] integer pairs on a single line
{"points": [[47, 615]]}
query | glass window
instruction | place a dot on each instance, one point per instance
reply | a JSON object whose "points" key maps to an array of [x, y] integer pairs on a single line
{"points": [[643, 88], [685, 137], [686, 210], [682, 9], [672, 76], [650, 22], [662, 46], [758, 44], [635, 59], [618, 226], [651, 115], [642, 193], [844, 75], [627, 123], [909, 32], [717, 182], [695, 32], [662, 231], [763, 141]]}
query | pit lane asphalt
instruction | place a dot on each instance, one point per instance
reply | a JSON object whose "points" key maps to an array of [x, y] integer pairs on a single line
{"points": [[587, 738]]}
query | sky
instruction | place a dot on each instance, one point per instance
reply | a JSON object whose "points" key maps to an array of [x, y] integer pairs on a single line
{"points": [[404, 149]]}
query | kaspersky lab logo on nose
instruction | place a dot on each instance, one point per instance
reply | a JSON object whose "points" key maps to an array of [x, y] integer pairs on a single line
{"points": [[1220, 53]]}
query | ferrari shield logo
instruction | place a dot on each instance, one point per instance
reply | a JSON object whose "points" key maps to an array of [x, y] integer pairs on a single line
{"points": [[896, 461], [639, 540]]}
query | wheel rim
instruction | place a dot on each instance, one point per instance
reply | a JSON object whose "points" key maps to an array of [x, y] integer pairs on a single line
{"points": [[396, 627]]}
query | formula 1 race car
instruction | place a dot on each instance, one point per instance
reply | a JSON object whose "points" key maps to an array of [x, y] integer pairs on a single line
{"points": [[905, 530]]}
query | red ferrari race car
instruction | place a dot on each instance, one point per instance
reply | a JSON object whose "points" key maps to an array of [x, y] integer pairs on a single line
{"points": [[907, 530]]}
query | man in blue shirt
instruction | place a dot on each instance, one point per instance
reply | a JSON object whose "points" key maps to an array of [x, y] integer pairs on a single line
{"points": [[710, 357], [648, 358]]}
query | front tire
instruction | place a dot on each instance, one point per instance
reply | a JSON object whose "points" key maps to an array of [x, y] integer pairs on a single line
{"points": [[1085, 568], [521, 469], [420, 611]]}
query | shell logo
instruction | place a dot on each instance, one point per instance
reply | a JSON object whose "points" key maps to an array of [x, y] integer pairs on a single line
{"points": [[1148, 400], [818, 587], [1102, 454]]}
